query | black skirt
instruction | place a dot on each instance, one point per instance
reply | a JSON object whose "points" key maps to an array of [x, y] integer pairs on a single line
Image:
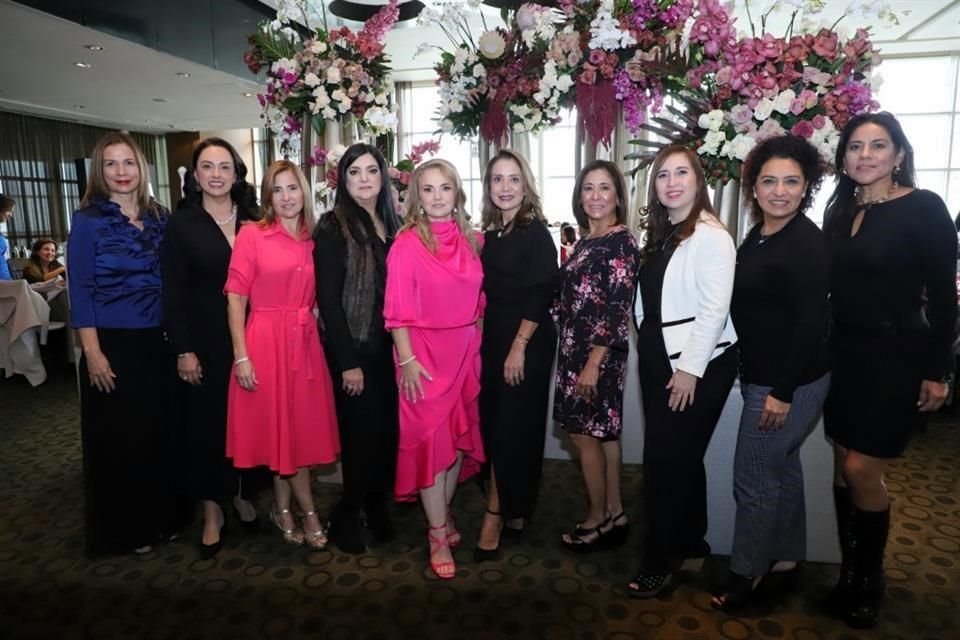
{"points": [[872, 404], [127, 443]]}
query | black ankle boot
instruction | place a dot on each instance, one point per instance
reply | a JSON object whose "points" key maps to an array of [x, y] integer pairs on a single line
{"points": [[345, 530], [377, 510], [839, 599], [870, 530]]}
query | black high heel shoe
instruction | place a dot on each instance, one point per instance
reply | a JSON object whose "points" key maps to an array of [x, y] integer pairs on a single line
{"points": [[736, 595], [251, 527], [208, 551], [583, 540], [484, 555], [617, 535]]}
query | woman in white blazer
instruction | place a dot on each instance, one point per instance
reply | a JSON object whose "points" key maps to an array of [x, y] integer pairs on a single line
{"points": [[688, 360]]}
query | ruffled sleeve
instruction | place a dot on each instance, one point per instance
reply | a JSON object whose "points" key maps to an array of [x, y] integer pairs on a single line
{"points": [[402, 303]]}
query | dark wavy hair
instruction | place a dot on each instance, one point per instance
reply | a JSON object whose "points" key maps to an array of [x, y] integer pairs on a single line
{"points": [[788, 147], [656, 221], [842, 205], [6, 203], [353, 212], [242, 193], [619, 183]]}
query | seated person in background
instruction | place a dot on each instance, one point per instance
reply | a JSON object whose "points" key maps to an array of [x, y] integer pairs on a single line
{"points": [[6, 212], [43, 263]]}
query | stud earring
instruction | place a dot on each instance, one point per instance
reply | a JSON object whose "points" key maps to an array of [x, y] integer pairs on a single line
{"points": [[896, 170]]}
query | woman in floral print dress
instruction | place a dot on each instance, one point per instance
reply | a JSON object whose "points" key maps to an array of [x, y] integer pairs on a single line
{"points": [[593, 311]]}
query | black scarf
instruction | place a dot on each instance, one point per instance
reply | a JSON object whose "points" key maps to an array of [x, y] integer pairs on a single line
{"points": [[365, 279]]}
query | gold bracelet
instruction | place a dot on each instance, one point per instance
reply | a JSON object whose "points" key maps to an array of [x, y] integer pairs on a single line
{"points": [[522, 339], [407, 361]]}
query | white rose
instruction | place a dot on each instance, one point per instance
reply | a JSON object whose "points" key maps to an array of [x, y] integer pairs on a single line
{"points": [[333, 75], [446, 125], [781, 104], [329, 113], [479, 71], [763, 109], [318, 47], [311, 79], [322, 98]]}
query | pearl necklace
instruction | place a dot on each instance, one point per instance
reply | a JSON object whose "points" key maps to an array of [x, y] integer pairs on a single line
{"points": [[866, 204], [228, 219]]}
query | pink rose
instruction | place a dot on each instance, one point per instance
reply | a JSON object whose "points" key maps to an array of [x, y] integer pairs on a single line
{"points": [[588, 75], [804, 129], [597, 57], [819, 121], [825, 44], [724, 75]]}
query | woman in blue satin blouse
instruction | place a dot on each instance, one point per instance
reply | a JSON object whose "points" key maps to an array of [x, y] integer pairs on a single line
{"points": [[114, 250]]}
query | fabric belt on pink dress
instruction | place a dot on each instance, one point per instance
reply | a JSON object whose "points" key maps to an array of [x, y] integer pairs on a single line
{"points": [[303, 340]]}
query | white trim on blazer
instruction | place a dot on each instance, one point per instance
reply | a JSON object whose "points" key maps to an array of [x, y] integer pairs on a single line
{"points": [[695, 303]]}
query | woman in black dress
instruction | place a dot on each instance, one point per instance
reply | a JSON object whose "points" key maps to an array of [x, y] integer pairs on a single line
{"points": [[688, 360], [350, 248], [894, 305], [195, 256], [519, 341], [593, 315]]}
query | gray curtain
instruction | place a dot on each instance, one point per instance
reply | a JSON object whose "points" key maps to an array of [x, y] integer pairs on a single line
{"points": [[37, 170]]}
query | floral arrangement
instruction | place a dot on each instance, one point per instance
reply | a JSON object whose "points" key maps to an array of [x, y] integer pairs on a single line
{"points": [[591, 53], [327, 160], [330, 76], [738, 92], [492, 84]]}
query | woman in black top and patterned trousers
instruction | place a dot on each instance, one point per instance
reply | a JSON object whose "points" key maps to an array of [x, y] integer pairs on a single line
{"points": [[350, 248], [781, 313], [894, 305]]}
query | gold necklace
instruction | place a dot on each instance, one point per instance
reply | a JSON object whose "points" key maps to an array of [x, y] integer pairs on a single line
{"points": [[864, 204]]}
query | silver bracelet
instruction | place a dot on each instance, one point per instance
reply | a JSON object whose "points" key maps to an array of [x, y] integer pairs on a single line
{"points": [[239, 360], [407, 361]]}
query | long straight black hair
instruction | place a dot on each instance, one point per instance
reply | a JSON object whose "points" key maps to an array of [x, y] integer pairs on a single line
{"points": [[344, 203], [842, 205]]}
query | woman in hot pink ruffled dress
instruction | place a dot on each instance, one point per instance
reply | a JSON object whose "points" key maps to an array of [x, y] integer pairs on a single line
{"points": [[280, 410], [432, 306]]}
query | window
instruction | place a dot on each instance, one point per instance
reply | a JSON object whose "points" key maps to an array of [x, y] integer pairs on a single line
{"points": [[552, 155]]}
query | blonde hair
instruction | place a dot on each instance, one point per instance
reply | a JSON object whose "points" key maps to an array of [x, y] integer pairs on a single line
{"points": [[266, 195], [415, 218], [530, 208], [97, 188]]}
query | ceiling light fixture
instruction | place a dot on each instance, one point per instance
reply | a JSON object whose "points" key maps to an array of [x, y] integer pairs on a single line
{"points": [[247, 94], [82, 65], [159, 99], [93, 47], [79, 106], [183, 74]]}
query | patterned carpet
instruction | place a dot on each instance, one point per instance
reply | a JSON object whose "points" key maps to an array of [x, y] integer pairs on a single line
{"points": [[259, 588]]}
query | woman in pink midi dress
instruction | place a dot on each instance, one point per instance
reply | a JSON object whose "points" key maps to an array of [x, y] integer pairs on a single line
{"points": [[280, 409], [432, 306]]}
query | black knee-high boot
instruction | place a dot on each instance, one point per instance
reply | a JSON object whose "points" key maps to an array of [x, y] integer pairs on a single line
{"points": [[870, 529], [839, 599]]}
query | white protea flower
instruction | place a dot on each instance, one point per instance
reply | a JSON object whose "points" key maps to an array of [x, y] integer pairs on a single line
{"points": [[491, 45]]}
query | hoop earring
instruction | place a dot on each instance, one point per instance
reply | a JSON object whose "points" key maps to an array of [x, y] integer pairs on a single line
{"points": [[896, 170]]}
